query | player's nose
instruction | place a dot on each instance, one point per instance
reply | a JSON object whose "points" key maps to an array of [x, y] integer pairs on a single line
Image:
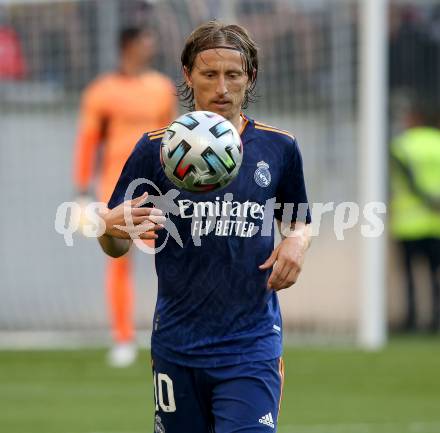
{"points": [[221, 88]]}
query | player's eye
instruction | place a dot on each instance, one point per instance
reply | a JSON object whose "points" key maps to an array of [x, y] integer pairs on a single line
{"points": [[234, 75]]}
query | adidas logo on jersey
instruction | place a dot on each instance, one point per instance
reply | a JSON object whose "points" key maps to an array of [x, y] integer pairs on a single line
{"points": [[267, 420]]}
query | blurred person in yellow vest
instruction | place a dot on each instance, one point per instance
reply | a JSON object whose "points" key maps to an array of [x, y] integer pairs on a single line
{"points": [[116, 109], [415, 203]]}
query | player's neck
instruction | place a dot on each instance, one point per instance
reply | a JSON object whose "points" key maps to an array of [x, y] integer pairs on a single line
{"points": [[238, 122], [130, 68]]}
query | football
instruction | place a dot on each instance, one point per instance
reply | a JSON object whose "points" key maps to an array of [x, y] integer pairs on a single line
{"points": [[201, 151]]}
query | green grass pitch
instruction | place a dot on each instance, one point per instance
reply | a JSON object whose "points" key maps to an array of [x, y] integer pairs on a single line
{"points": [[326, 391]]}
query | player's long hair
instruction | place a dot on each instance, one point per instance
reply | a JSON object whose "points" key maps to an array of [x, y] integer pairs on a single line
{"points": [[214, 34]]}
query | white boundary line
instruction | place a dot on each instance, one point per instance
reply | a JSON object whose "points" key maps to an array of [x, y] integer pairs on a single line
{"points": [[366, 427]]}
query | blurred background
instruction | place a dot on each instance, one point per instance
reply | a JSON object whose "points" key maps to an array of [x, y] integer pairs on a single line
{"points": [[52, 296]]}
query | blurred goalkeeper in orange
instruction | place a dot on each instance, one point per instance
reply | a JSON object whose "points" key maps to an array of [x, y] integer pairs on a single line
{"points": [[115, 110]]}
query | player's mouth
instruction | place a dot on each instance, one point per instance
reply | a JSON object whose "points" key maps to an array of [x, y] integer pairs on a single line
{"points": [[221, 103]]}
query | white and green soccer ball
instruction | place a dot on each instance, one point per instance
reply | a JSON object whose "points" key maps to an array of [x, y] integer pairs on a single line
{"points": [[201, 151]]}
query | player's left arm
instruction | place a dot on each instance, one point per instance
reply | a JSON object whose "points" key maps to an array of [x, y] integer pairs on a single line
{"points": [[288, 257], [89, 137], [169, 103]]}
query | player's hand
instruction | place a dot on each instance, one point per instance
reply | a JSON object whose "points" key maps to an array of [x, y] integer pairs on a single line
{"points": [[287, 260], [130, 221], [83, 200]]}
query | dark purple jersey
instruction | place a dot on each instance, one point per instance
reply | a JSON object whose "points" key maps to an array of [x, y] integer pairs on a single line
{"points": [[213, 306]]}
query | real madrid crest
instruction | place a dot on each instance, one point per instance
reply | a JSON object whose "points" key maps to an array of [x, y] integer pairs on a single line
{"points": [[262, 174]]}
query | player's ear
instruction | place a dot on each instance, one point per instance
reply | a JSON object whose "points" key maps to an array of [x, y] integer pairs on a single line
{"points": [[187, 76], [250, 81], [254, 77]]}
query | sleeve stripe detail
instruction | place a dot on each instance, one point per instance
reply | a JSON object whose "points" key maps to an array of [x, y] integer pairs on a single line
{"points": [[243, 127], [271, 129], [153, 137], [281, 372], [264, 124], [157, 131]]}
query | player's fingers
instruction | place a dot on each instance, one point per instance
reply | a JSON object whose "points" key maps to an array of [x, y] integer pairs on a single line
{"points": [[274, 278], [271, 283], [147, 226], [148, 235], [138, 220], [156, 219], [142, 228], [290, 279], [135, 230], [283, 271], [139, 211], [270, 261], [275, 284], [151, 229], [139, 201], [155, 211]]}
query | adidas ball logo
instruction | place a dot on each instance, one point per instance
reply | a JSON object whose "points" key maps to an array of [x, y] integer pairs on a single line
{"points": [[267, 420]]}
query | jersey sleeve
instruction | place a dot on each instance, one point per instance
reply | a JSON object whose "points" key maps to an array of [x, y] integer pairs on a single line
{"points": [[292, 188], [170, 103], [139, 166], [91, 120]]}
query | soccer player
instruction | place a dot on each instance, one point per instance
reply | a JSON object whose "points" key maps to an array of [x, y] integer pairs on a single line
{"points": [[116, 109], [217, 331]]}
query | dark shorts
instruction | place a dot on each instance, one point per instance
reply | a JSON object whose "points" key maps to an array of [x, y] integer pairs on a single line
{"points": [[242, 398]]}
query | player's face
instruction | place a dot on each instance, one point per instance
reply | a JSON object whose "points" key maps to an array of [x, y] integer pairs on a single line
{"points": [[142, 49], [219, 82]]}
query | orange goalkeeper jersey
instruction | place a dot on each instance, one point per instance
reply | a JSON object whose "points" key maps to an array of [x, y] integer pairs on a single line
{"points": [[115, 111]]}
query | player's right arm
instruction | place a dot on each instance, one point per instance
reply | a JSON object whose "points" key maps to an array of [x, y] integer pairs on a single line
{"points": [[129, 221], [288, 257], [126, 218], [90, 130]]}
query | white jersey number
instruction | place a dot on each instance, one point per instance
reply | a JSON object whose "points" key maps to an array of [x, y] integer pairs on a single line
{"points": [[160, 380]]}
